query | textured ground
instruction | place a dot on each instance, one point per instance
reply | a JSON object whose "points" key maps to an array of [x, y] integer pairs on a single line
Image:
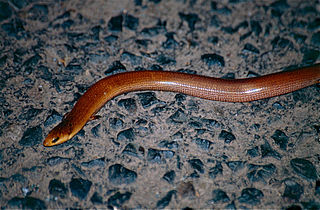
{"points": [[157, 149]]}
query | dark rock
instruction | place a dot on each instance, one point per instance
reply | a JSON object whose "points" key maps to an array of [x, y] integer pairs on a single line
{"points": [[281, 139], [219, 196], [95, 36], [30, 113], [120, 175], [147, 99], [145, 43], [253, 152], [31, 137], [226, 136], [203, 143], [96, 130], [260, 172], [131, 22], [213, 40], [191, 19], [165, 60], [311, 205], [130, 149], [292, 190], [281, 43], [222, 9], [216, 170], [129, 104], [310, 56], [317, 188], [178, 117], [27, 203], [250, 196], [267, 151], [111, 38], [38, 12], [304, 168], [197, 165], [164, 202], [5, 11], [131, 58], [19, 3], [315, 39], [236, 165], [116, 123], [213, 60], [96, 198], [115, 23], [249, 48], [170, 42], [154, 30], [116, 67], [215, 21], [57, 188], [80, 187], [294, 207], [159, 156], [169, 176], [256, 27], [118, 199], [127, 135], [169, 144]]}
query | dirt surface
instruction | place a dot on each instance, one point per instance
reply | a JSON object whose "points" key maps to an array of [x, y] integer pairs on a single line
{"points": [[157, 149]]}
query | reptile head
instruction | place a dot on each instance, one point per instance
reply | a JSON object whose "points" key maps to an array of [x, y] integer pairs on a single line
{"points": [[58, 135]]}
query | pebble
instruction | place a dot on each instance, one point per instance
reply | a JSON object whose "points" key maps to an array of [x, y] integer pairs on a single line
{"points": [[32, 136], [219, 196], [159, 156], [258, 173], [126, 135], [96, 198], [120, 175], [197, 164], [169, 176], [226, 136], [304, 168], [251, 196], [129, 104], [191, 19], [281, 139], [216, 170], [57, 188], [293, 190], [80, 187], [213, 60], [164, 202], [118, 199]]}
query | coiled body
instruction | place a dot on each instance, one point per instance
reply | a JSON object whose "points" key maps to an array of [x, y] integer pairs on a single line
{"points": [[237, 90]]}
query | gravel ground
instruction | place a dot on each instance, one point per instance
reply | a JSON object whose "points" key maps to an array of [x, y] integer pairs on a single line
{"points": [[157, 149]]}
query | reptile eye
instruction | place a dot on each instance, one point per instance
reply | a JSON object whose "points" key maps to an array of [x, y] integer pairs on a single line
{"points": [[55, 139]]}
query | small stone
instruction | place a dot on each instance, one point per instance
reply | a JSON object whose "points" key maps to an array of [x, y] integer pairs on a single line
{"points": [[57, 188], [118, 199], [31, 137], [120, 175], [80, 187], [304, 168], [251, 196]]}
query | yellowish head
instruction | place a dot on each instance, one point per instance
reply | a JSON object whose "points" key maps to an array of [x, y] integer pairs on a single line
{"points": [[58, 135]]}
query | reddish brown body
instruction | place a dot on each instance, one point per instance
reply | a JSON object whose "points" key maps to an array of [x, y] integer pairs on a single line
{"points": [[238, 90]]}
